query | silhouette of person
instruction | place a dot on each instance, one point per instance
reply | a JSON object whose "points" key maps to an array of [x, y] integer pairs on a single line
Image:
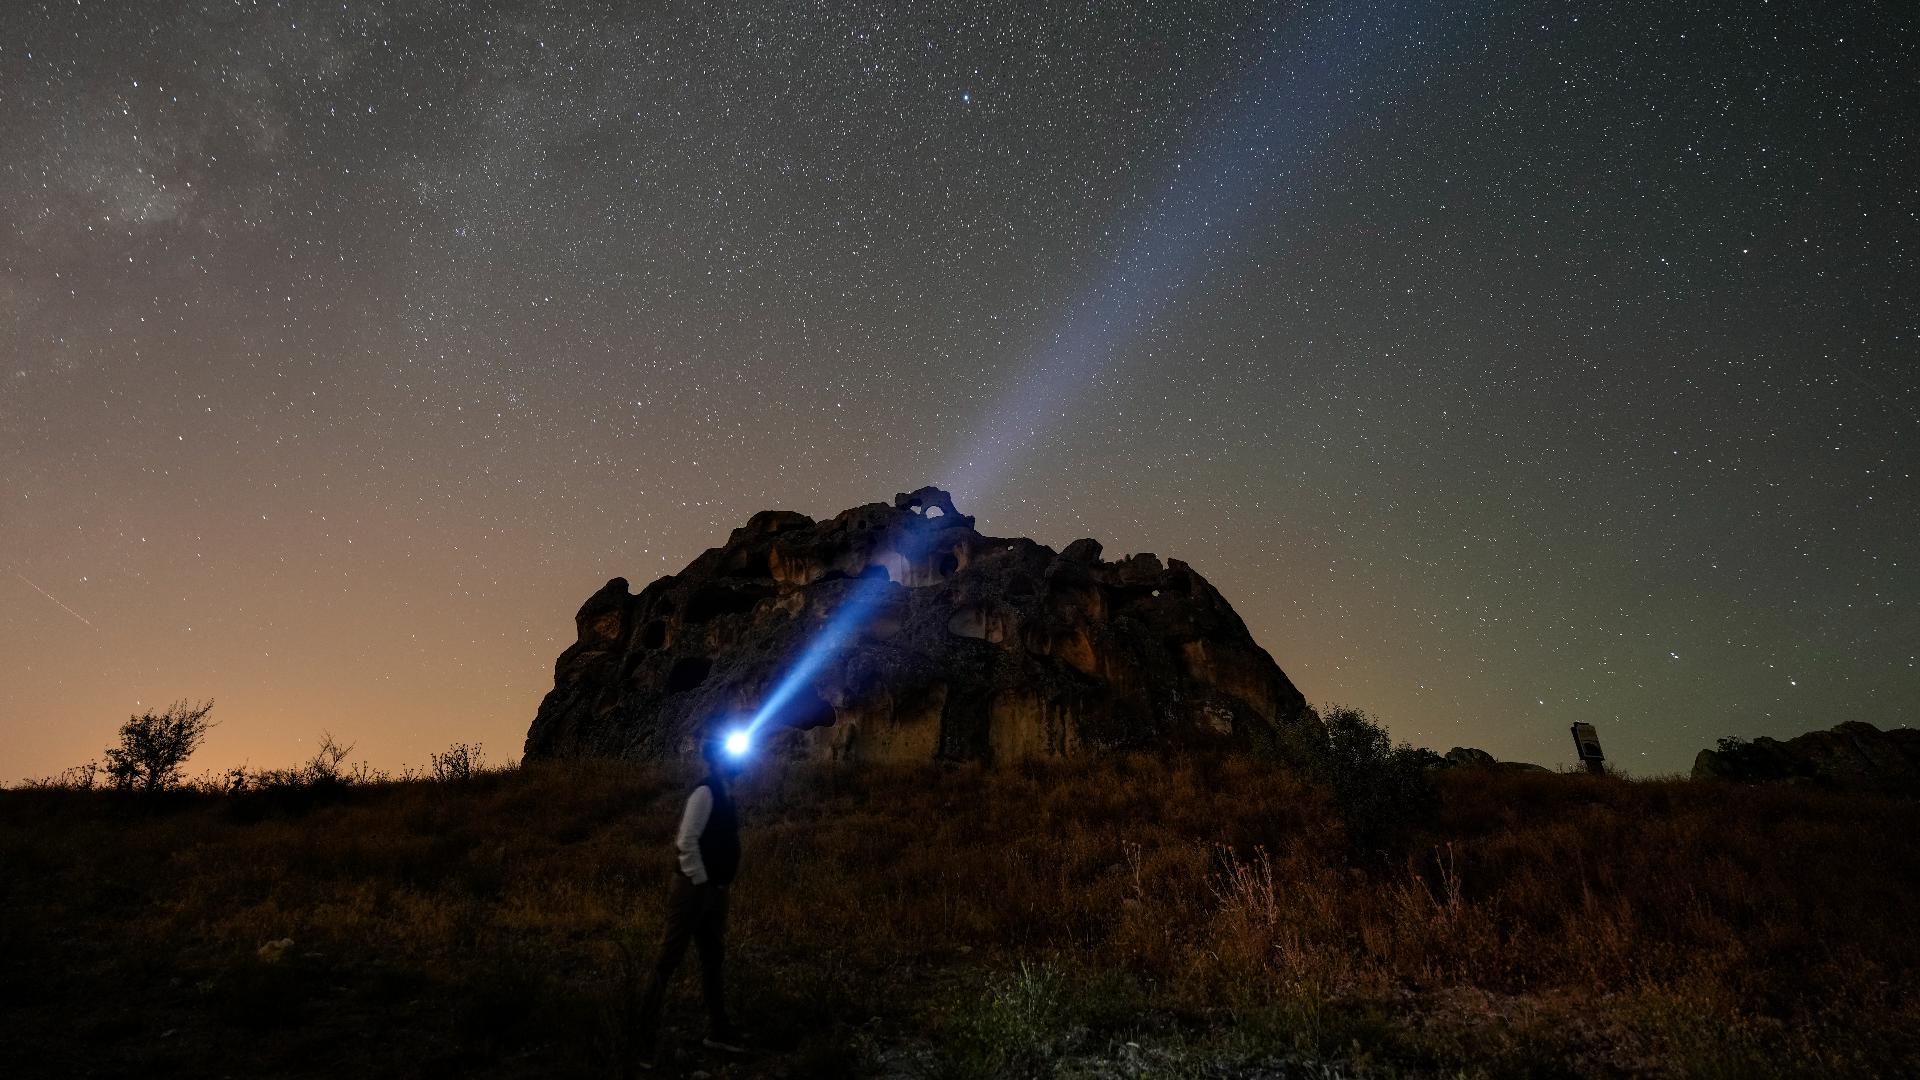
{"points": [[708, 848]]}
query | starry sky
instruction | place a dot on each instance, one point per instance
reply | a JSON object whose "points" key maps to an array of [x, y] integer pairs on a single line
{"points": [[1506, 365]]}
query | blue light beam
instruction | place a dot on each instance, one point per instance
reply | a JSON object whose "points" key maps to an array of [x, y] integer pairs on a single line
{"points": [[845, 622], [1326, 67], [1322, 69]]}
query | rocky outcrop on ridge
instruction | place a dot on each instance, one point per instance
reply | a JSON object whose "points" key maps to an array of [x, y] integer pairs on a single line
{"points": [[1854, 756], [965, 647], [1472, 757]]}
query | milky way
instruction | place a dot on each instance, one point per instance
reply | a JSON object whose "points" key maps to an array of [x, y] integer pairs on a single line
{"points": [[1505, 367]]}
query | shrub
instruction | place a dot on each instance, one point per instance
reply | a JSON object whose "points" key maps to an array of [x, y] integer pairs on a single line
{"points": [[154, 746], [76, 778], [321, 779], [1380, 790], [461, 761], [324, 766]]}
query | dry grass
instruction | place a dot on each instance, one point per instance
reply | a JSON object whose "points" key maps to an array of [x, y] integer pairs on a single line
{"points": [[959, 921]]}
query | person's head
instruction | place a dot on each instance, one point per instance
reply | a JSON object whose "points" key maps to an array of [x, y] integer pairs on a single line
{"points": [[720, 761]]}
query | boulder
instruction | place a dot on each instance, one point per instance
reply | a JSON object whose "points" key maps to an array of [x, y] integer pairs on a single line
{"points": [[1852, 756], [1469, 757], [1082, 551], [916, 638]]}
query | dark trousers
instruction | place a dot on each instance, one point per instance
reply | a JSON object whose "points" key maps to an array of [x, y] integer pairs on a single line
{"points": [[696, 913]]}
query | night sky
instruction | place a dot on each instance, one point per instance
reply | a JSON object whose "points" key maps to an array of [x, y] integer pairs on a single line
{"points": [[1505, 367]]}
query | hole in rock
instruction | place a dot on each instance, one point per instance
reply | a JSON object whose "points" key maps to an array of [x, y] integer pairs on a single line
{"points": [[687, 673], [947, 565], [714, 601], [654, 634], [934, 512]]}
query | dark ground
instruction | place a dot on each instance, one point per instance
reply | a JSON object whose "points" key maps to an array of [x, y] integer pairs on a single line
{"points": [[1122, 917]]}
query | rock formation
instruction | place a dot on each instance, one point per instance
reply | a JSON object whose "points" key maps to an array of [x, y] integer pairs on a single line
{"points": [[971, 647], [1854, 755], [1472, 757]]}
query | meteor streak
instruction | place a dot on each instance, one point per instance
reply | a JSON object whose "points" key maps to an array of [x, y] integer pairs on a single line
{"points": [[56, 600]]}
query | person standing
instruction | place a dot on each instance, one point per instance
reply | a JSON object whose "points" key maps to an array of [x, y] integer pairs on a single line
{"points": [[708, 850]]}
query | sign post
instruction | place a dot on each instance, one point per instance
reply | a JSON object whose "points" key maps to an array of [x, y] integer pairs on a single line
{"points": [[1586, 742]]}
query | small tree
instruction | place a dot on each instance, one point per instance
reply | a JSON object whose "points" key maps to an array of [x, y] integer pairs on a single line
{"points": [[154, 746]]}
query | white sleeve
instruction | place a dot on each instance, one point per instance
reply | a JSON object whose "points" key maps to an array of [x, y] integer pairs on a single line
{"points": [[693, 822]]}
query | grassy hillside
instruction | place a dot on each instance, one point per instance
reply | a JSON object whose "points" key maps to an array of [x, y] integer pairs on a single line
{"points": [[1117, 917]]}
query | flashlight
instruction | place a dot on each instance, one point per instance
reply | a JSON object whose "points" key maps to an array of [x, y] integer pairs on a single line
{"points": [[737, 743]]}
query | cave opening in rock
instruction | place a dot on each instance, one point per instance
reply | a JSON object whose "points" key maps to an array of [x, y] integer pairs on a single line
{"points": [[717, 600], [654, 634], [687, 673], [934, 512], [947, 565]]}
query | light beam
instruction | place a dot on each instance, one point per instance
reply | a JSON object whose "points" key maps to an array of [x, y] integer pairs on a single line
{"points": [[1319, 70], [1325, 68]]}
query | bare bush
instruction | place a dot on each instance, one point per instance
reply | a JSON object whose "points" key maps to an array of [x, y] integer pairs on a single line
{"points": [[234, 781], [324, 766], [155, 746], [82, 777], [461, 761]]}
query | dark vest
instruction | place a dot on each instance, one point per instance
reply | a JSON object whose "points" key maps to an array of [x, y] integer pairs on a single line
{"points": [[720, 841]]}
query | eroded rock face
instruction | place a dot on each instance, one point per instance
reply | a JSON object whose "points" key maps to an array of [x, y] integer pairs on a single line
{"points": [[971, 647], [1854, 756]]}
